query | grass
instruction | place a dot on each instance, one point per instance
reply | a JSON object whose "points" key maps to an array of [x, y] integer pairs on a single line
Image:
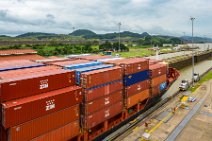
{"points": [[205, 78], [136, 52]]}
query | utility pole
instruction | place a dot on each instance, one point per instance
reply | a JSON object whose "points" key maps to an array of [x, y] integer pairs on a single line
{"points": [[119, 25], [192, 22]]}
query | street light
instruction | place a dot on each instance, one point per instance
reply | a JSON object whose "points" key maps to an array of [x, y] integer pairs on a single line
{"points": [[192, 22], [119, 24]]}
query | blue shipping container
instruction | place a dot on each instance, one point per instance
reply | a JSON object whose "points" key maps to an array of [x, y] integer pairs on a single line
{"points": [[82, 65], [21, 67], [163, 86], [87, 69], [136, 77]]}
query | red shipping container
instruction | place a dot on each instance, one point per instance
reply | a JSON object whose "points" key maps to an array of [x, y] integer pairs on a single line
{"points": [[137, 88], [102, 115], [158, 80], [3, 134], [14, 112], [154, 61], [94, 93], [35, 83], [136, 98], [69, 62], [102, 102], [97, 77], [155, 90], [44, 124], [64, 133], [157, 70], [132, 65], [93, 57]]}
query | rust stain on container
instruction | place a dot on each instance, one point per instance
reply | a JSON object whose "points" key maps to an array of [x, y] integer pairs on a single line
{"points": [[136, 98], [97, 77], [44, 124], [137, 88], [157, 70], [22, 110], [102, 115], [91, 94], [158, 80], [35, 83], [64, 133], [102, 102]]}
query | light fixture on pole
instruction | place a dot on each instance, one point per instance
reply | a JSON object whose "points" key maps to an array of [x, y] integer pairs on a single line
{"points": [[119, 25], [192, 22]]}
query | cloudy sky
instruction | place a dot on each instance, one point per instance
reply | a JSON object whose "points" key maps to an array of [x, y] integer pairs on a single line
{"points": [[167, 17]]}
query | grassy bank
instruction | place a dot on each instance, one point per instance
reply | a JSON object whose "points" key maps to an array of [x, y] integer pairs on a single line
{"points": [[205, 78]]}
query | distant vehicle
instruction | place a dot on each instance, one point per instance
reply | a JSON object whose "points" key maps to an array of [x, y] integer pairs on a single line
{"points": [[196, 77], [184, 85], [192, 99]]}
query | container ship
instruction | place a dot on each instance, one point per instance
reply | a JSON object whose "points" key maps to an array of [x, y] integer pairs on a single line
{"points": [[80, 97]]}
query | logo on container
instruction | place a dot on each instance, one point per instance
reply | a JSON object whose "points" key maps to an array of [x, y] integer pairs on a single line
{"points": [[107, 113], [50, 104], [44, 84]]}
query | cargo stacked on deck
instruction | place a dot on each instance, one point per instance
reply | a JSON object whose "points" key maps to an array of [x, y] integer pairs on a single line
{"points": [[158, 78], [102, 100], [39, 103], [92, 57], [136, 82]]}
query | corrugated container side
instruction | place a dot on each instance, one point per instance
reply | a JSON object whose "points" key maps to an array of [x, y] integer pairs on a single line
{"points": [[157, 70], [136, 98], [21, 57], [137, 88], [98, 104], [102, 90], [34, 84], [158, 80], [136, 77], [102, 115], [155, 91], [44, 124], [98, 77], [3, 134], [64, 133], [14, 112]]}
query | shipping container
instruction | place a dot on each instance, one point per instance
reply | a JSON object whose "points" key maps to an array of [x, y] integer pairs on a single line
{"points": [[21, 57], [102, 90], [81, 65], [87, 69], [137, 98], [109, 59], [158, 80], [98, 77], [136, 77], [137, 88], [93, 57], [132, 65], [52, 60], [101, 103], [68, 62], [17, 52], [102, 115], [35, 83], [3, 134], [14, 112], [157, 70], [44, 124], [154, 61], [64, 133]]}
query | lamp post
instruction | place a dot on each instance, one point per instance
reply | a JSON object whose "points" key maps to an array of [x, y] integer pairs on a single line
{"points": [[192, 22], [119, 24]]}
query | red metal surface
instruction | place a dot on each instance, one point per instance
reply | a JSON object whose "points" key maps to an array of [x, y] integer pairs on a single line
{"points": [[136, 98], [158, 80], [16, 63], [21, 57], [17, 52], [14, 112], [154, 61], [3, 134], [68, 62], [102, 102], [137, 88], [102, 115], [93, 57], [155, 90], [132, 65], [157, 70], [44, 124], [95, 93], [97, 77], [64, 133], [35, 83]]}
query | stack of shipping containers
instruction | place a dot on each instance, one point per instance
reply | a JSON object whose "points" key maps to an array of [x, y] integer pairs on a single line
{"points": [[158, 78], [39, 103], [136, 82]]}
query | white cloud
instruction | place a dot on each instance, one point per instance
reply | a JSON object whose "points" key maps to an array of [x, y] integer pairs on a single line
{"points": [[155, 16]]}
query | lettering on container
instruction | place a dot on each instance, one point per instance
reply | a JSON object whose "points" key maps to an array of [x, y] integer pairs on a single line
{"points": [[107, 101], [44, 84], [12, 84], [50, 104], [17, 108], [107, 113]]}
